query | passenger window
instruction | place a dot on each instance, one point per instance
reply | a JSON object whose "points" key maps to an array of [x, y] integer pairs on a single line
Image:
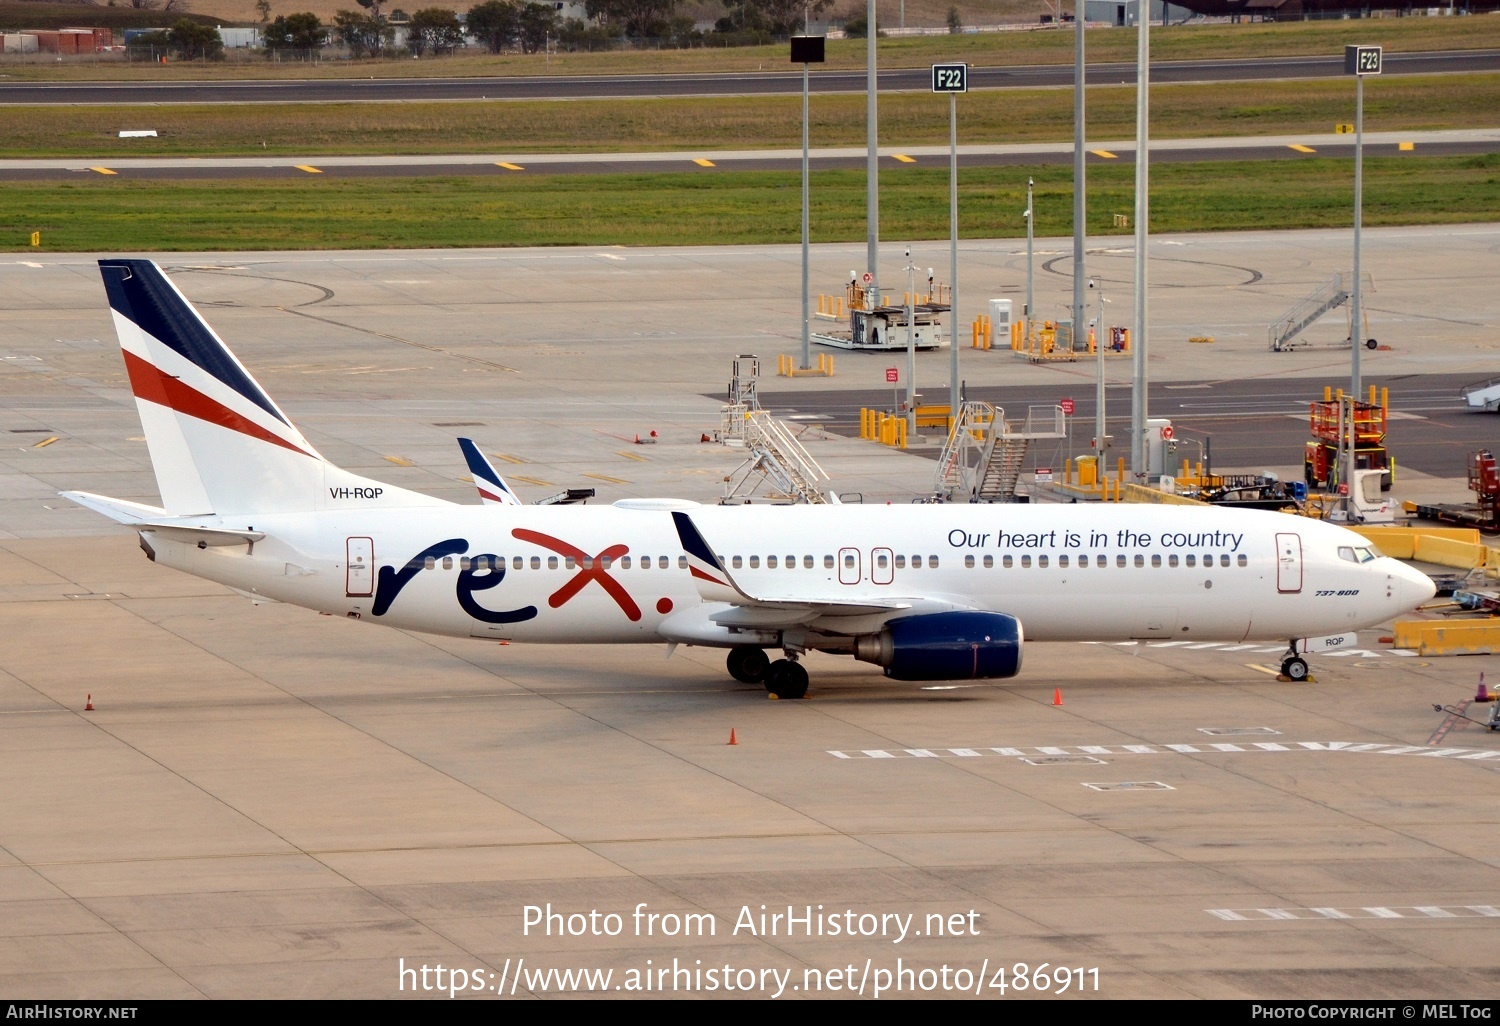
{"points": [[1062, 561], [1191, 559], [1025, 562], [587, 562], [969, 562], [518, 562], [1172, 559], [754, 562], [1140, 560], [882, 561], [770, 562], [604, 562], [1120, 559], [808, 562], [624, 562], [1243, 560], [849, 561], [552, 562], [989, 561], [1083, 562], [932, 562], [536, 562], [447, 562], [1007, 561], [900, 562], [429, 563], [827, 562], [737, 562], [465, 563], [1041, 561], [570, 563], [1155, 560], [916, 562], [1224, 559]]}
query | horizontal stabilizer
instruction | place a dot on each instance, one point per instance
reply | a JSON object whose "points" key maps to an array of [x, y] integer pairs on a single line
{"points": [[119, 510]]}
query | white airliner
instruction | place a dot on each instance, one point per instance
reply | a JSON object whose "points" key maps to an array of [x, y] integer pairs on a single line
{"points": [[928, 592]]}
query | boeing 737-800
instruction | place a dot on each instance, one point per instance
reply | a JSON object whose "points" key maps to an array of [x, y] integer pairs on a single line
{"points": [[927, 592]]}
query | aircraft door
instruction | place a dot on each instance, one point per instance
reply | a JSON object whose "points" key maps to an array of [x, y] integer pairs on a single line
{"points": [[849, 569], [359, 574], [1288, 563], [882, 566]]}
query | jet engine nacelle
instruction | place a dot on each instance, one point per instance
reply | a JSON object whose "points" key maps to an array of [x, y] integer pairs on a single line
{"points": [[959, 645]]}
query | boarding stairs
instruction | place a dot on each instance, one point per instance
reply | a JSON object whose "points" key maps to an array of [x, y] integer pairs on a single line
{"points": [[1283, 332], [983, 458], [776, 459], [1483, 396]]}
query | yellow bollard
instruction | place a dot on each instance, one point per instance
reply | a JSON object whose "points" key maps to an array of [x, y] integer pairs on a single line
{"points": [[901, 433], [36, 238], [1068, 471]]}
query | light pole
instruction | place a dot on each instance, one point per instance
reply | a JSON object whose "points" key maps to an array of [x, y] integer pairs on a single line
{"points": [[1359, 61], [1099, 418], [1138, 399], [952, 79], [911, 347], [1078, 176], [872, 165], [1030, 224], [806, 50]]}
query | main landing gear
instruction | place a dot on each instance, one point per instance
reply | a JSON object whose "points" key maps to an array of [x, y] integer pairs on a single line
{"points": [[785, 678], [1293, 666]]}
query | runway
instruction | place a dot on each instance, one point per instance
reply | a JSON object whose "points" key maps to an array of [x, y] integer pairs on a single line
{"points": [[734, 84], [268, 803]]}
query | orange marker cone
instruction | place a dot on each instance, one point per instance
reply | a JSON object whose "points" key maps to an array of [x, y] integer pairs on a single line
{"points": [[88, 704], [732, 739], [1057, 696], [1483, 694]]}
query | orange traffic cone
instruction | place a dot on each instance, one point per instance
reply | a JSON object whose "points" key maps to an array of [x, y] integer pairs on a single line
{"points": [[1483, 694], [732, 739], [88, 704], [1057, 696]]}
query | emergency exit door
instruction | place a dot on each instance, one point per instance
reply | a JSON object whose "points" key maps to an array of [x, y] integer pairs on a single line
{"points": [[1288, 563], [359, 574]]}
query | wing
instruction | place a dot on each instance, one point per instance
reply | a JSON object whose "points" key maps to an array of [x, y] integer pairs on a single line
{"points": [[831, 613]]}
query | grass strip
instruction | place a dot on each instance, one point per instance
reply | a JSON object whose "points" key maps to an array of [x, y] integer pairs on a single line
{"points": [[1001, 49], [116, 214], [907, 119]]}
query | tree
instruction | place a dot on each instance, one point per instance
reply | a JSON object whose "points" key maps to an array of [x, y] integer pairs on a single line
{"points": [[296, 32], [434, 30], [495, 23], [786, 17], [539, 22], [362, 34], [955, 22], [195, 42], [639, 18], [263, 7], [373, 6]]}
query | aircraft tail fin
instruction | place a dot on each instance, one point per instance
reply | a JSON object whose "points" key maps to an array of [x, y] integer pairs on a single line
{"points": [[493, 491], [219, 444]]}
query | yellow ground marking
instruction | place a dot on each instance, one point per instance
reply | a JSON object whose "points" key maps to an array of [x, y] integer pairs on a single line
{"points": [[1105, 154], [532, 480], [1406, 146], [631, 456], [1301, 149], [104, 171], [905, 159], [606, 477], [46, 441], [703, 163], [400, 461], [507, 457], [309, 169], [509, 167]]}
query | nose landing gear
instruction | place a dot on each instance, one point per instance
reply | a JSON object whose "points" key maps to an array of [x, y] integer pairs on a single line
{"points": [[1293, 666]]}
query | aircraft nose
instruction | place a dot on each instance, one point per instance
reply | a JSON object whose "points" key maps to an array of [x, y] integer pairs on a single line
{"points": [[1412, 587]]}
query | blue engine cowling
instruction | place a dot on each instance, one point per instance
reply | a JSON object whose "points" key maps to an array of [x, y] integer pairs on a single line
{"points": [[959, 645]]}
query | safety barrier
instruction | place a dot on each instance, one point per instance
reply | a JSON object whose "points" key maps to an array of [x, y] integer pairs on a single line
{"points": [[786, 367], [882, 427], [1434, 638], [1458, 547]]}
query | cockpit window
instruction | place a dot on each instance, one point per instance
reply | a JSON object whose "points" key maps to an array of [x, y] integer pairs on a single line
{"points": [[1346, 552], [1365, 553], [1360, 554]]}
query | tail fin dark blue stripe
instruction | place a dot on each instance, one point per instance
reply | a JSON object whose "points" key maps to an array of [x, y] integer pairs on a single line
{"points": [[139, 292]]}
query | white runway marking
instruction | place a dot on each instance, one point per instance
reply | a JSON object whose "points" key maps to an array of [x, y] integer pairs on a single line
{"points": [[1199, 748], [1245, 915]]}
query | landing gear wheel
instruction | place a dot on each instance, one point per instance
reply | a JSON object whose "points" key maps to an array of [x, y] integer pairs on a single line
{"points": [[1294, 668], [786, 679], [748, 664], [1370, 343]]}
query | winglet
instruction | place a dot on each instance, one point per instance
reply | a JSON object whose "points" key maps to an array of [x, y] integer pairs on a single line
{"points": [[493, 490], [713, 581]]}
